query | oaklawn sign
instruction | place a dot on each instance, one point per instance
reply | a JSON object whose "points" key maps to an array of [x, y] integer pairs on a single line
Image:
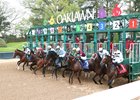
{"points": [[77, 16]]}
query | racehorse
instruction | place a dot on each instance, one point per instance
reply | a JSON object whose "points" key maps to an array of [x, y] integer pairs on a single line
{"points": [[22, 57], [94, 65], [49, 60], [75, 67], [40, 53], [113, 71]]}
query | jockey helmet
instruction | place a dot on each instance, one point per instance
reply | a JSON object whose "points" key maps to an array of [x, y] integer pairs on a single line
{"points": [[100, 49], [115, 47], [78, 49], [74, 49], [24, 46], [58, 47], [83, 56], [49, 47]]}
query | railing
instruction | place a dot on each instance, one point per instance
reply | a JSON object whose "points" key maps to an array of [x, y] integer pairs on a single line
{"points": [[134, 53], [6, 55]]}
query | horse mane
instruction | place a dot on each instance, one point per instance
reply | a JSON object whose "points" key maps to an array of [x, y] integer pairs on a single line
{"points": [[52, 54], [19, 50]]}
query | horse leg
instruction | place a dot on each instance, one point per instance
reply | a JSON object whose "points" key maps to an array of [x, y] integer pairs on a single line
{"points": [[78, 77], [24, 65], [101, 77], [52, 73], [27, 63], [111, 80], [70, 77], [37, 68], [63, 73], [55, 71], [31, 66], [18, 62], [44, 70], [94, 78], [66, 69], [110, 84]]}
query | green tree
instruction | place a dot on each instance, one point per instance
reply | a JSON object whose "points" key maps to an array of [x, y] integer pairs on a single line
{"points": [[44, 9], [23, 27], [134, 6], [7, 16], [4, 23]]}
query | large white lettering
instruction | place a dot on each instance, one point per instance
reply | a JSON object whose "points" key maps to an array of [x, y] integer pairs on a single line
{"points": [[59, 19], [77, 16]]}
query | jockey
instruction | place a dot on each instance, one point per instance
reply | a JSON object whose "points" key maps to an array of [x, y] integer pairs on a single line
{"points": [[40, 52], [50, 48], [27, 51], [117, 57], [74, 51], [103, 52], [78, 51], [61, 53], [83, 59]]}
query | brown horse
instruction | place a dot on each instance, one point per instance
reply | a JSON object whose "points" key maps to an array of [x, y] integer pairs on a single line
{"points": [[112, 70], [94, 65], [22, 57], [49, 60], [75, 67], [39, 62]]}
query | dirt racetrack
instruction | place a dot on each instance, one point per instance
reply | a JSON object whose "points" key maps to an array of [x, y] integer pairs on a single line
{"points": [[24, 85]]}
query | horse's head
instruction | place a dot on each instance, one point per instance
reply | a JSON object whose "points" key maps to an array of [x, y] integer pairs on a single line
{"points": [[18, 53], [95, 58], [52, 54], [106, 60], [40, 53], [70, 59]]}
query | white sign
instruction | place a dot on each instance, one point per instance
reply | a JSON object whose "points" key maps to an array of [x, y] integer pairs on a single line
{"points": [[116, 25], [52, 30], [45, 30], [77, 16], [89, 26]]}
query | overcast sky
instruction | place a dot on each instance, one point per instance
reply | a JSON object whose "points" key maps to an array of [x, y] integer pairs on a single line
{"points": [[20, 10]]}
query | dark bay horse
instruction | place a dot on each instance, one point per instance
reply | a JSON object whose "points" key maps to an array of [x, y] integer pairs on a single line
{"points": [[112, 70], [75, 67], [39, 61], [22, 57], [94, 65], [49, 60]]}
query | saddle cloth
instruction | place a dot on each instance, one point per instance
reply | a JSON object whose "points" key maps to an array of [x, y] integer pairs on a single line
{"points": [[84, 64], [122, 70]]}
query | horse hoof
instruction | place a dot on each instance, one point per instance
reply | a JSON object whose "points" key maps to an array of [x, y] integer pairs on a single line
{"points": [[18, 68], [110, 87], [63, 76], [101, 83], [80, 83], [35, 73], [94, 81]]}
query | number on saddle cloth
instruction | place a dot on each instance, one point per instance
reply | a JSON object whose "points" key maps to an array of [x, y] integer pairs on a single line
{"points": [[84, 64]]}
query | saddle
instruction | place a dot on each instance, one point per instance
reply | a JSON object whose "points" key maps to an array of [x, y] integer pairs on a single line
{"points": [[121, 69]]}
